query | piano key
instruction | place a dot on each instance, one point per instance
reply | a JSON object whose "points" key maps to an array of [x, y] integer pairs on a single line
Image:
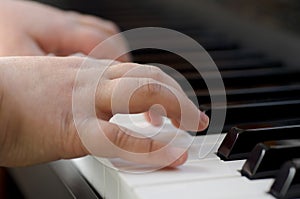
{"points": [[156, 55], [150, 21], [187, 68], [246, 64], [235, 53], [167, 133], [201, 175], [238, 114], [94, 171], [200, 169], [126, 185], [110, 183], [287, 182], [238, 142], [225, 65], [266, 158], [225, 188], [249, 78], [181, 44], [280, 92]]}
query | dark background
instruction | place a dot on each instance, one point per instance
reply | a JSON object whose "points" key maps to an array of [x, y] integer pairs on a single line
{"points": [[282, 14]]}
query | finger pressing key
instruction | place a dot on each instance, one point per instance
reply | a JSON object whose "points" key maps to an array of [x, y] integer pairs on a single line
{"points": [[98, 135], [137, 95]]}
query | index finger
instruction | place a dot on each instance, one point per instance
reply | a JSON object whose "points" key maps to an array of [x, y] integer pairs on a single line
{"points": [[137, 95]]}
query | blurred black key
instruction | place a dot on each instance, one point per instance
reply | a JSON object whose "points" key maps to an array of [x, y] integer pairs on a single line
{"points": [[266, 158], [243, 78], [287, 182], [250, 94], [180, 44], [181, 65], [256, 112], [161, 56], [246, 64], [238, 143]]}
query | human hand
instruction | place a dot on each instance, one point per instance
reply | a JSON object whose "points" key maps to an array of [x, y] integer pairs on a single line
{"points": [[30, 28], [37, 119]]}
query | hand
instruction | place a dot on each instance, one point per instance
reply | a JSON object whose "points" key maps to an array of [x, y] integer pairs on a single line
{"points": [[29, 28], [37, 119]]}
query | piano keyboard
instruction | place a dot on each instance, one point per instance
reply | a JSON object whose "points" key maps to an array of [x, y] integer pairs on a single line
{"points": [[263, 101], [209, 177]]}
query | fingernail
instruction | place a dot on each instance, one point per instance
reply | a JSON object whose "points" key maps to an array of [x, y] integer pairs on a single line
{"points": [[156, 120], [204, 118]]}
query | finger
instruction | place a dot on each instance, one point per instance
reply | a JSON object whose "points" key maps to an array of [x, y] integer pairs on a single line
{"points": [[112, 141], [98, 44], [137, 70], [101, 24], [137, 95], [76, 38], [25, 47], [96, 63], [86, 41], [153, 118], [143, 71]]}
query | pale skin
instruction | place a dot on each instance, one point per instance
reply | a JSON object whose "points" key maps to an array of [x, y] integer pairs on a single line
{"points": [[36, 116]]}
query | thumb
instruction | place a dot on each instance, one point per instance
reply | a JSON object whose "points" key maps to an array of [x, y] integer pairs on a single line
{"points": [[105, 139]]}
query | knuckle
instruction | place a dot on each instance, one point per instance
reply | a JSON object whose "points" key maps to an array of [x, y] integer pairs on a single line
{"points": [[70, 142], [154, 88], [73, 14], [150, 144], [71, 18], [156, 73], [130, 65], [113, 27], [93, 39], [124, 139], [120, 138], [151, 88], [91, 34], [69, 22]]}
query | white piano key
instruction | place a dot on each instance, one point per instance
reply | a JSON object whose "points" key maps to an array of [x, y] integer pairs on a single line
{"points": [[126, 166], [208, 174], [93, 171], [195, 170], [109, 180], [225, 188], [193, 181], [165, 133]]}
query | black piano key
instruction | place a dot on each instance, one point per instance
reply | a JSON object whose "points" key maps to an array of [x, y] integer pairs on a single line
{"points": [[150, 21], [177, 44], [249, 78], [266, 158], [287, 182], [156, 55], [239, 142], [250, 94], [181, 65], [225, 65], [256, 112], [234, 54], [246, 64]]}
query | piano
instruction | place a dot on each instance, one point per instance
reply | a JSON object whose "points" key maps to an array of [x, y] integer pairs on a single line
{"points": [[255, 154]]}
